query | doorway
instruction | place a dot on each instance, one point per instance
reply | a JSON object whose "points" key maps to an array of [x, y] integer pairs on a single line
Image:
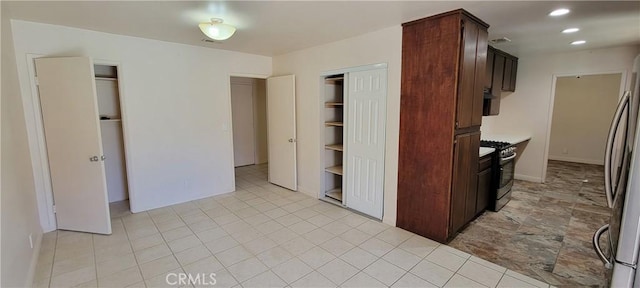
{"points": [[110, 113], [249, 121], [583, 107]]}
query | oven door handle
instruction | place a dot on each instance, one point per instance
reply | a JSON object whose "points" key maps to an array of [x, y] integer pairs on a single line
{"points": [[508, 158]]}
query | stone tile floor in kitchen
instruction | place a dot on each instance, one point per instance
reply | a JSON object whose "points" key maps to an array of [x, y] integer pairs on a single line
{"points": [[260, 236], [545, 230]]}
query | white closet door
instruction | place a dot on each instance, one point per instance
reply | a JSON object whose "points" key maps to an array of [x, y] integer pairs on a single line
{"points": [[72, 131], [366, 106], [244, 143], [281, 127]]}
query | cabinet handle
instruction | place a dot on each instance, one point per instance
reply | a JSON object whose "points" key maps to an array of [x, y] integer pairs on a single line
{"points": [[103, 157], [93, 159]]}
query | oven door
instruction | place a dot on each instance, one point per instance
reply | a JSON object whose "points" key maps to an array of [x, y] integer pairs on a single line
{"points": [[507, 168]]}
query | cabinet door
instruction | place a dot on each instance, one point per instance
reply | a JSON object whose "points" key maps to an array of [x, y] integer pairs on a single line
{"points": [[506, 78], [488, 76], [498, 75], [466, 80], [465, 168], [69, 106], [514, 73], [479, 81], [484, 187]]}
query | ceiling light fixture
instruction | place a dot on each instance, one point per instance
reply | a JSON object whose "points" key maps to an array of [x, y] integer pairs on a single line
{"points": [[217, 30], [570, 30], [559, 12], [579, 42]]}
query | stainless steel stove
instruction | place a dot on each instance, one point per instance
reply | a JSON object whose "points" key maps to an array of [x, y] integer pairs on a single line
{"points": [[502, 170]]}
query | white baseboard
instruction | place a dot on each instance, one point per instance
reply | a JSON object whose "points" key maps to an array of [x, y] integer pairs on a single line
{"points": [[34, 261], [577, 160], [307, 192], [527, 178]]}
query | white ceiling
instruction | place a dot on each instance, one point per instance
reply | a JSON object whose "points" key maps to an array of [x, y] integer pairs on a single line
{"points": [[277, 27]]}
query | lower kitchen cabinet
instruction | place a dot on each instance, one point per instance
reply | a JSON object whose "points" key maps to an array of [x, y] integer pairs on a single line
{"points": [[464, 190], [484, 183]]}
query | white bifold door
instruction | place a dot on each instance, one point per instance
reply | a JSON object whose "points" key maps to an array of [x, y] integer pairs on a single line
{"points": [[281, 127], [366, 106], [74, 147]]}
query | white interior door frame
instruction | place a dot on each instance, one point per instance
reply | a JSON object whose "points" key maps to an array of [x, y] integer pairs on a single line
{"points": [[229, 124], [321, 149], [545, 157], [38, 147]]}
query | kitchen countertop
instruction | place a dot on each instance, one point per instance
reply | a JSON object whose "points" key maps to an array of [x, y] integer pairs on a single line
{"points": [[509, 138], [486, 151]]}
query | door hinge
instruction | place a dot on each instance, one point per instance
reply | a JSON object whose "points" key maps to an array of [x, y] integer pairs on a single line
{"points": [[54, 209], [36, 80]]}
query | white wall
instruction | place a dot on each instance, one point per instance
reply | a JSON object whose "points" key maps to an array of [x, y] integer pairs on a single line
{"points": [[528, 109], [175, 101], [582, 111], [19, 211], [383, 46]]}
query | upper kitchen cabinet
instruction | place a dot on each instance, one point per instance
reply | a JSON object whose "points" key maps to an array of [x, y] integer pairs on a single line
{"points": [[500, 75], [443, 69]]}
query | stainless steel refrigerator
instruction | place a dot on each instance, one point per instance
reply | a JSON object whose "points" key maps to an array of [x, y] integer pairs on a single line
{"points": [[622, 188]]}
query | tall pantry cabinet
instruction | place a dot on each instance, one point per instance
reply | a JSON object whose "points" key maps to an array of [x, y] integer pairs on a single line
{"points": [[443, 66]]}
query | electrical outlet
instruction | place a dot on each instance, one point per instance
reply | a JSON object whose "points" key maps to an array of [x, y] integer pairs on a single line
{"points": [[31, 240]]}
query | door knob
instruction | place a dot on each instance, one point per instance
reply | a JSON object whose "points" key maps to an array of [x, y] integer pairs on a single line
{"points": [[93, 159], [102, 157], [291, 140]]}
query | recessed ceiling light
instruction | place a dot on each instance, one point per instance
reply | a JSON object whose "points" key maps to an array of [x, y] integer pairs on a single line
{"points": [[570, 30], [579, 42], [559, 12]]}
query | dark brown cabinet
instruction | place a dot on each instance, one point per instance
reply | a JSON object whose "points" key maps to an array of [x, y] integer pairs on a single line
{"points": [[443, 69], [501, 74], [484, 184], [464, 191]]}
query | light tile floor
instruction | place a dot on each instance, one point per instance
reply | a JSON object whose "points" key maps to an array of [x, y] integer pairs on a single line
{"points": [[261, 235]]}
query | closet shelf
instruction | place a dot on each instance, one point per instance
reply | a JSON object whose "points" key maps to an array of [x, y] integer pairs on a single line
{"points": [[335, 194], [334, 104], [335, 170], [334, 123], [334, 79], [106, 78], [336, 147]]}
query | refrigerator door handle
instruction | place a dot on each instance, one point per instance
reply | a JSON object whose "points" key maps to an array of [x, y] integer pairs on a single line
{"points": [[615, 123], [596, 246]]}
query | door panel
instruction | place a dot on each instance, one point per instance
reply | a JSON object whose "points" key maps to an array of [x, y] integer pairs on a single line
{"points": [[281, 127], [480, 77], [366, 106], [72, 132], [466, 85], [243, 131], [464, 186]]}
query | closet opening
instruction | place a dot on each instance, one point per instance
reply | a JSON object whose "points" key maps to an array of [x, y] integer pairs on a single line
{"points": [[110, 113], [249, 128], [333, 138]]}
